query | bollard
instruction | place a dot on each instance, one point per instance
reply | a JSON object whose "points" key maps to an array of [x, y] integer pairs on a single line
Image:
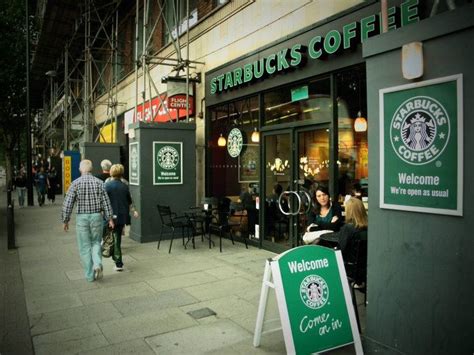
{"points": [[9, 196], [11, 227]]}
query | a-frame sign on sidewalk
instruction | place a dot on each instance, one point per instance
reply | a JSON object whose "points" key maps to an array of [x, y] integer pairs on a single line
{"points": [[314, 300]]}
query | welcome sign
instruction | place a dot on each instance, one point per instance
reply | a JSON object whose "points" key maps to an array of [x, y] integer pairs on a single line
{"points": [[314, 301], [421, 146], [167, 163]]}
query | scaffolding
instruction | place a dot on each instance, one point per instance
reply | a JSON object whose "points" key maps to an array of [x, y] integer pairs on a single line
{"points": [[90, 67], [146, 61]]}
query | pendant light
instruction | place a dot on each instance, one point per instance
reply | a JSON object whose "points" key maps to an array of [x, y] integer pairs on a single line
{"points": [[255, 136], [360, 123], [221, 142]]}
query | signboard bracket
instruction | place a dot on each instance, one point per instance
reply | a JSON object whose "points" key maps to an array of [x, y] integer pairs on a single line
{"points": [[262, 305]]}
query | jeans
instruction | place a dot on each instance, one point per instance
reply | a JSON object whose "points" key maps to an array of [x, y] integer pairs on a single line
{"points": [[117, 256], [21, 195], [89, 237]]}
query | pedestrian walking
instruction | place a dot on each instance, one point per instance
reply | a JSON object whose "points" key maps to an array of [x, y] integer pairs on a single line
{"points": [[93, 205], [20, 184], [52, 184], [105, 165], [121, 201], [42, 184]]}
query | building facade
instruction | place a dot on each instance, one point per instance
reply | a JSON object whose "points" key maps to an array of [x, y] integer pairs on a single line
{"points": [[284, 96]]}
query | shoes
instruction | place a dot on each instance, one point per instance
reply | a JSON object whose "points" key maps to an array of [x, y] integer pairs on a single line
{"points": [[118, 268], [98, 273], [359, 286]]}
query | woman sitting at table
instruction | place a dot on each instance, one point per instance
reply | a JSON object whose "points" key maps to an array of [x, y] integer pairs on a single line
{"points": [[355, 227], [326, 215], [346, 239]]}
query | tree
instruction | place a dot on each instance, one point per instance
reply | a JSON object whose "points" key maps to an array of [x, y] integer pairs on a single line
{"points": [[12, 78]]}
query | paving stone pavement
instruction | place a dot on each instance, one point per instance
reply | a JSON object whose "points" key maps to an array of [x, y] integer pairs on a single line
{"points": [[147, 308]]}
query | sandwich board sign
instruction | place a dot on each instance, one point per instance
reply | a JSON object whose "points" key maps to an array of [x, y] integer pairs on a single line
{"points": [[314, 300]]}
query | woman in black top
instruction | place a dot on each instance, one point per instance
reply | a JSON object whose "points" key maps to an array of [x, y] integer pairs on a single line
{"points": [[355, 227], [325, 214]]}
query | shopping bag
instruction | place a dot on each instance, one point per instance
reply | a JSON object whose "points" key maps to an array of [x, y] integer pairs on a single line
{"points": [[108, 243]]}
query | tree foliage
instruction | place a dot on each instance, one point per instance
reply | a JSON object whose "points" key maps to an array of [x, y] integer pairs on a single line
{"points": [[12, 76]]}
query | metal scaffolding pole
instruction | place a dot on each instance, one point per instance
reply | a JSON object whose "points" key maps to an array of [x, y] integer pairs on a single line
{"points": [[87, 73]]}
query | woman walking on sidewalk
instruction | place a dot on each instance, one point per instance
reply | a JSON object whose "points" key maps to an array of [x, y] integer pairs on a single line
{"points": [[121, 201]]}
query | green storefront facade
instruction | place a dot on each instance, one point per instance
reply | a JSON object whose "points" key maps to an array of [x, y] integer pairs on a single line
{"points": [[419, 263]]}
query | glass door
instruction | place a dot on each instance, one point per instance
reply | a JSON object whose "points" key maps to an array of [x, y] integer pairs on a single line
{"points": [[312, 169], [296, 160]]}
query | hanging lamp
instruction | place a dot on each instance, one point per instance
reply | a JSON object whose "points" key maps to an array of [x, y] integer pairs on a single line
{"points": [[221, 142], [360, 123], [255, 136]]}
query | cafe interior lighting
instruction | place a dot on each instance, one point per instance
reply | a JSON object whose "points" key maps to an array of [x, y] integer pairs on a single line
{"points": [[278, 165], [255, 136], [221, 142], [360, 123], [412, 60]]}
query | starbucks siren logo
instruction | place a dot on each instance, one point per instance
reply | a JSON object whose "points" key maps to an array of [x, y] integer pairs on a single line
{"points": [[419, 130], [314, 291], [235, 141], [167, 157]]}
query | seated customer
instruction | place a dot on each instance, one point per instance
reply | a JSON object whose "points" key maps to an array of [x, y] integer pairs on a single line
{"points": [[326, 215], [355, 227]]}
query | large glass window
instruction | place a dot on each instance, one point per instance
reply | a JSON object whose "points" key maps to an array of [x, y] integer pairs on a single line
{"points": [[227, 175], [308, 101], [352, 122]]}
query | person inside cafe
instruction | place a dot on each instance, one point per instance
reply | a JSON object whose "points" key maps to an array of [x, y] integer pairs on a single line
{"points": [[248, 204], [326, 214], [345, 239]]}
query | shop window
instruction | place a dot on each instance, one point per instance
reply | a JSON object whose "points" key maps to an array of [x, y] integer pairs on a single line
{"points": [[308, 101], [228, 175], [352, 123]]}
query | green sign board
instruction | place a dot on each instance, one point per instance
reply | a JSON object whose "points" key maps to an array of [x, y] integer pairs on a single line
{"points": [[421, 140], [134, 164], [167, 163], [300, 93], [314, 300], [319, 47]]}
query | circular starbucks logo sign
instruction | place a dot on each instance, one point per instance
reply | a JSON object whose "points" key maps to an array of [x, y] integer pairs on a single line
{"points": [[235, 141], [314, 291], [167, 157], [419, 130]]}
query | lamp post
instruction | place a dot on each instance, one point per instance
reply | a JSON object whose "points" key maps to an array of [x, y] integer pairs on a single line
{"points": [[29, 173]]}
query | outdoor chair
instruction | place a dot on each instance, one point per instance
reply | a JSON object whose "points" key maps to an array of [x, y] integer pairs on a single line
{"points": [[172, 221], [221, 222], [355, 263]]}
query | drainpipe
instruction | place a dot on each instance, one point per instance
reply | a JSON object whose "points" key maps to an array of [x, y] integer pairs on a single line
{"points": [[384, 13]]}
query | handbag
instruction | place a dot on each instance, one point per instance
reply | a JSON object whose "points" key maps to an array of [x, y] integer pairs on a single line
{"points": [[108, 243]]}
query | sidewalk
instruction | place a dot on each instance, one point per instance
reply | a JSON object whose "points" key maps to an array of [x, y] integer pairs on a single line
{"points": [[160, 304]]}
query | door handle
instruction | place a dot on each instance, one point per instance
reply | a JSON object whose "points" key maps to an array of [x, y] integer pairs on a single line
{"points": [[290, 212]]}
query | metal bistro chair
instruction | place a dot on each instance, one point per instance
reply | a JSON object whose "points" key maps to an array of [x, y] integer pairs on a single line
{"points": [[172, 221], [221, 223], [355, 263]]}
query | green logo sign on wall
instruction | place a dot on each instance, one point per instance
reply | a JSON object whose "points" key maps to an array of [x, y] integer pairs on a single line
{"points": [[235, 141], [319, 47], [167, 163], [313, 300], [134, 164], [421, 146]]}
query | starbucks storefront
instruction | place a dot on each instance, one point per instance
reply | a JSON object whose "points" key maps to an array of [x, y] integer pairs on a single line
{"points": [[299, 109]]}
